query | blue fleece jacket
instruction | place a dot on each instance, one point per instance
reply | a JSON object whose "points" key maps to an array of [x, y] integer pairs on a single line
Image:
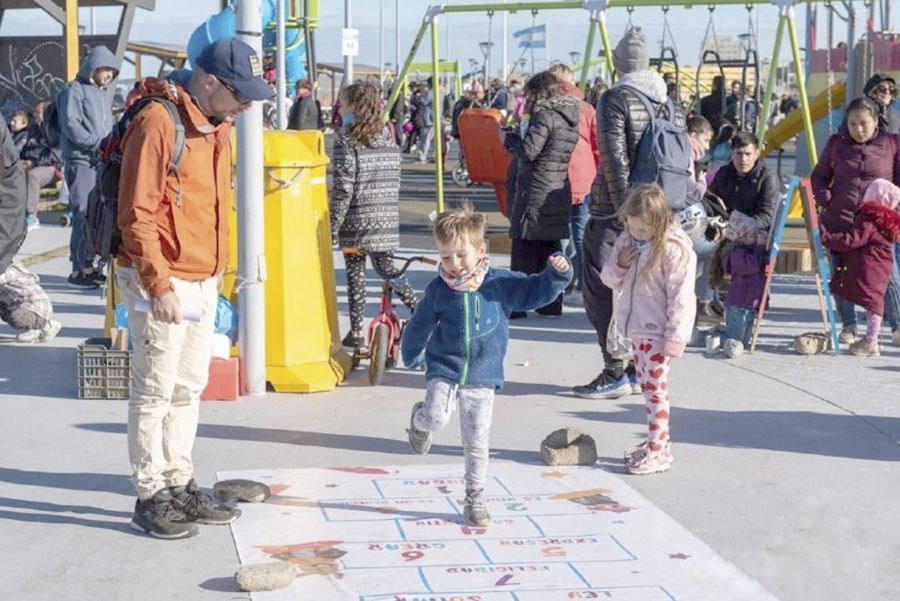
{"points": [[463, 335], [85, 110]]}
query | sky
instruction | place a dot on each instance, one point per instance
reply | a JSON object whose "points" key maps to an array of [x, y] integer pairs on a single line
{"points": [[174, 20]]}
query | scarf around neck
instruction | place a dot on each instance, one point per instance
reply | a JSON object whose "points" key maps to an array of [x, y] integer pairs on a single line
{"points": [[469, 281]]}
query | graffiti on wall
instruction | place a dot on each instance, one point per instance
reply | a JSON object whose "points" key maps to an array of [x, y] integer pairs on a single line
{"points": [[34, 68]]}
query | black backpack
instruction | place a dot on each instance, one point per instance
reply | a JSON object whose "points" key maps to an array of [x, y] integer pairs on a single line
{"points": [[101, 222]]}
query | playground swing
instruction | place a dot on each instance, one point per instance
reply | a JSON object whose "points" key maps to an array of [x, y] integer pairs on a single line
{"points": [[668, 55], [713, 57]]}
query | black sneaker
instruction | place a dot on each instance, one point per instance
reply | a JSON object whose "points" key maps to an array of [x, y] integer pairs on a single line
{"points": [[79, 281], [198, 507], [604, 386], [96, 276], [159, 517], [351, 341]]}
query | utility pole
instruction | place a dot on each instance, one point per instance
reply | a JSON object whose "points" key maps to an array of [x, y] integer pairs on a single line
{"points": [[348, 57]]}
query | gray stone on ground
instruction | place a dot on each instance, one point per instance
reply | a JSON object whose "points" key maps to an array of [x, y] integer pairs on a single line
{"points": [[264, 577], [569, 446], [246, 491]]}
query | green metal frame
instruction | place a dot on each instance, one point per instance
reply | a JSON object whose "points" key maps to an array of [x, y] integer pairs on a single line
{"points": [[597, 9], [443, 67]]}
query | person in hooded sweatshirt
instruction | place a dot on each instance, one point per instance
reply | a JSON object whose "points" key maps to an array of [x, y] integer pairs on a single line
{"points": [[621, 121], [539, 215], [868, 258], [85, 118]]}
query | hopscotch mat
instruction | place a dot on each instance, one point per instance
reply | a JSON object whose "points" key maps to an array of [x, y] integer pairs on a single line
{"points": [[397, 534]]}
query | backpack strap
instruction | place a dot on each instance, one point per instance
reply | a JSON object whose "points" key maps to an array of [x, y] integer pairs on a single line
{"points": [[178, 148], [653, 108]]}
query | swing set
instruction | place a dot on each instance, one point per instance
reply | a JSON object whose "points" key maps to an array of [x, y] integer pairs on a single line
{"points": [[489, 119], [597, 10]]}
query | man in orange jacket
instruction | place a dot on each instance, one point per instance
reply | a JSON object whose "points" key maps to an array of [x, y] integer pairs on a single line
{"points": [[174, 248]]}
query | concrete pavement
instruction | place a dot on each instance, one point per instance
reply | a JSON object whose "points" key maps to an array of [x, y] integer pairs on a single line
{"points": [[787, 465]]}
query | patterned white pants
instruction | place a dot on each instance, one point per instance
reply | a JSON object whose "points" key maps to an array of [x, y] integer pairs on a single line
{"points": [[476, 410]]}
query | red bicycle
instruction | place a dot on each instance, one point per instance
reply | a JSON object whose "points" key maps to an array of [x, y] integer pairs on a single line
{"points": [[384, 331]]}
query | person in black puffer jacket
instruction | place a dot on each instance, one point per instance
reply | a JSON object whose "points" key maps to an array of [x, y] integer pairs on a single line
{"points": [[621, 121], [539, 215]]}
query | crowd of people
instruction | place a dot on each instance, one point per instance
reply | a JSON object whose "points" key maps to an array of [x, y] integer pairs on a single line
{"points": [[649, 265], [650, 258]]}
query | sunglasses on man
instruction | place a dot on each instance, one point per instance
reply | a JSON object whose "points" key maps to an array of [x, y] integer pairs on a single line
{"points": [[886, 89], [240, 98]]}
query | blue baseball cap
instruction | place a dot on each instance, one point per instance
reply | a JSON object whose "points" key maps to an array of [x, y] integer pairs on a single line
{"points": [[238, 64]]}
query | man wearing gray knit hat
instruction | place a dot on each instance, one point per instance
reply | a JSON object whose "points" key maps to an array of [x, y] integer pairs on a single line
{"points": [[631, 53], [621, 120]]}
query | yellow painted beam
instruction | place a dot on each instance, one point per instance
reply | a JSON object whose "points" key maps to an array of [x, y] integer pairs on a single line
{"points": [[71, 33]]}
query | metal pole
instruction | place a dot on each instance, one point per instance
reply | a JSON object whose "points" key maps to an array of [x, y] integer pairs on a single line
{"points": [[280, 68], [770, 82], [401, 75], [607, 47], [438, 133], [787, 14], [380, 43], [505, 40], [851, 51], [588, 50], [348, 60], [396, 42], [251, 227]]}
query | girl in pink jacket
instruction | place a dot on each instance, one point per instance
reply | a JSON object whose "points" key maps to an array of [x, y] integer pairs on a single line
{"points": [[653, 267]]}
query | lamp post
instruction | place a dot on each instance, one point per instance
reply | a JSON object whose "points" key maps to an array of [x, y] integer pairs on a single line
{"points": [[575, 56], [486, 52], [522, 63]]}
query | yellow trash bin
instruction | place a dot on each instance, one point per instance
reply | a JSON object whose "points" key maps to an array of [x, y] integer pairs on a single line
{"points": [[303, 348]]}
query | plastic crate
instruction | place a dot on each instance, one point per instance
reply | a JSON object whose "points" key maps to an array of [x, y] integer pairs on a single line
{"points": [[103, 372]]}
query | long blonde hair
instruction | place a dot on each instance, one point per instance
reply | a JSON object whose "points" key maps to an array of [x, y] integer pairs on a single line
{"points": [[648, 203]]}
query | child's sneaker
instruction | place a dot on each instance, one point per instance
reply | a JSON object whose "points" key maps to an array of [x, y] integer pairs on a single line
{"points": [[644, 462], [642, 448], [475, 512], [847, 335], [31, 222], [419, 441], [160, 518], [45, 334], [895, 337], [861, 348], [351, 341], [198, 507]]}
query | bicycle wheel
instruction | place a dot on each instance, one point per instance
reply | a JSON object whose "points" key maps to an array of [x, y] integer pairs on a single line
{"points": [[461, 176], [378, 354]]}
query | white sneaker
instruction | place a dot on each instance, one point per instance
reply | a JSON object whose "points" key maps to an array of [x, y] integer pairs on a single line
{"points": [[733, 348], [847, 335], [45, 334]]}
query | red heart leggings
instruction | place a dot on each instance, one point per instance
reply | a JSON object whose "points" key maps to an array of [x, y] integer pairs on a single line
{"points": [[652, 371]]}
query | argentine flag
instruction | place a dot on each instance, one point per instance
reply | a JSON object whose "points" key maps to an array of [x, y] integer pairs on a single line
{"points": [[533, 37]]}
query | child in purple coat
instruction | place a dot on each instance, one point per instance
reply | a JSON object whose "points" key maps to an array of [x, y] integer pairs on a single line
{"points": [[742, 256]]}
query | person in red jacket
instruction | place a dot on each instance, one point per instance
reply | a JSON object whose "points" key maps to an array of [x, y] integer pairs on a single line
{"points": [[868, 258], [583, 166]]}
